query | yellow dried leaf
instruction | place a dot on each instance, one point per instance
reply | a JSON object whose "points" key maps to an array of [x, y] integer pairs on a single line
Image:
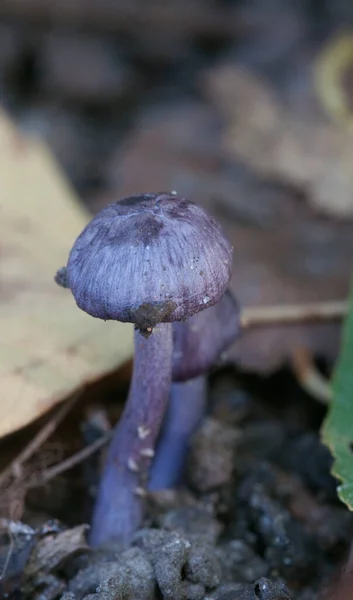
{"points": [[48, 347]]}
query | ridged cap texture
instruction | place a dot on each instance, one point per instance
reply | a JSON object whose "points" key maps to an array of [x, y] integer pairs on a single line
{"points": [[149, 259]]}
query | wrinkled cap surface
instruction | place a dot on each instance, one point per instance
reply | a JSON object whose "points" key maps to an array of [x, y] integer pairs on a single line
{"points": [[149, 259], [199, 342]]}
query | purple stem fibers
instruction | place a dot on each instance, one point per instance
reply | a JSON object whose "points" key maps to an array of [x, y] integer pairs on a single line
{"points": [[120, 504], [186, 408]]}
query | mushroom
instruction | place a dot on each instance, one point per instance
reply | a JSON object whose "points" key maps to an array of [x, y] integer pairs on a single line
{"points": [[150, 260], [198, 344]]}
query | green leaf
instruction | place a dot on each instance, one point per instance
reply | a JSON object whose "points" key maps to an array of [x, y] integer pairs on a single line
{"points": [[337, 430]]}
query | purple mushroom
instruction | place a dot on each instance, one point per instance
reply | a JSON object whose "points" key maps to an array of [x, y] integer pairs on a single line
{"points": [[197, 346], [150, 260]]}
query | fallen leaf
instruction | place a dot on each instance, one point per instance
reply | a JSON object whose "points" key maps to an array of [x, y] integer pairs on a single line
{"points": [[54, 549], [48, 347], [296, 140]]}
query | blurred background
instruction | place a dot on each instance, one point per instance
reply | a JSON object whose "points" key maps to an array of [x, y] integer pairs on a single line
{"points": [[244, 106]]}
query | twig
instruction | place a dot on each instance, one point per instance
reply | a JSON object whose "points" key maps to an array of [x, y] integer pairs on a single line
{"points": [[13, 528], [253, 316], [15, 467], [69, 463], [8, 554], [311, 380]]}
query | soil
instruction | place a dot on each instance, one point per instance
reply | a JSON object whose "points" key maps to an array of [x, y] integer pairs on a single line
{"points": [[257, 519]]}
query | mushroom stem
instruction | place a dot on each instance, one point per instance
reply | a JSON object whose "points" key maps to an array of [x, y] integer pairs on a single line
{"points": [[120, 503], [186, 408]]}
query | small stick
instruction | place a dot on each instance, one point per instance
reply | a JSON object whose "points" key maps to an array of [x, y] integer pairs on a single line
{"points": [[8, 554], [311, 380], [15, 466], [12, 528], [253, 316], [69, 463]]}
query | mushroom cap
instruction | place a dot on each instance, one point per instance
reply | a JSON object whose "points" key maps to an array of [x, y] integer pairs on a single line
{"points": [[149, 259], [199, 342]]}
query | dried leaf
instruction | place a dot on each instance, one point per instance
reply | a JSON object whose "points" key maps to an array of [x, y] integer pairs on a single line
{"points": [[296, 141], [48, 347], [54, 549]]}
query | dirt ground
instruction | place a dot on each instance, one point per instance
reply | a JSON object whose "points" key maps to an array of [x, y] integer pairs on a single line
{"points": [[258, 516]]}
